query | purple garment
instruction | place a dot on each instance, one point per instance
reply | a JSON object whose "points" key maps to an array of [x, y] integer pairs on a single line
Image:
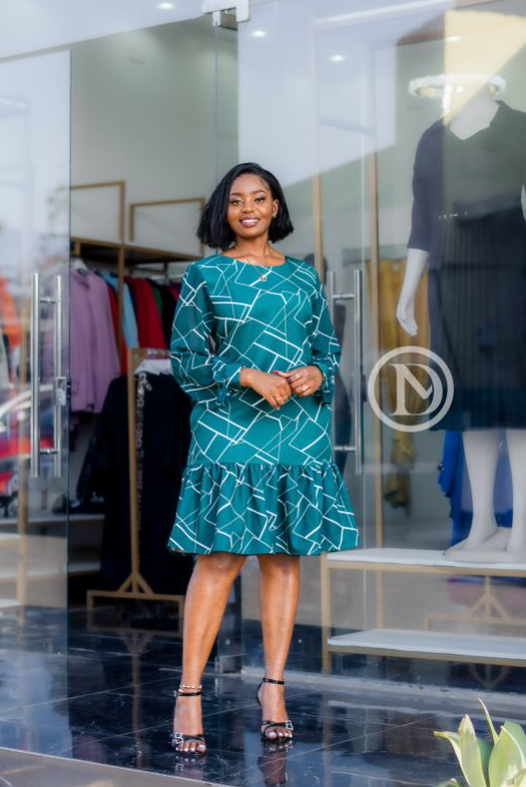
{"points": [[94, 362]]}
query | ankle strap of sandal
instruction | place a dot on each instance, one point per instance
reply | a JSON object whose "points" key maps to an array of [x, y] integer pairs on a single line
{"points": [[271, 680], [188, 691]]}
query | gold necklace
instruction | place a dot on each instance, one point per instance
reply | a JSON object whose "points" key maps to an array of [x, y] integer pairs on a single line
{"points": [[262, 276]]}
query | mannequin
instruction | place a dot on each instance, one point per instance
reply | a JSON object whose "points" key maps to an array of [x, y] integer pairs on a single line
{"points": [[470, 114]]}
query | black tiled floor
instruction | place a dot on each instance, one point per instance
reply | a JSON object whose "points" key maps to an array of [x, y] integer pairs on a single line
{"points": [[107, 698]]}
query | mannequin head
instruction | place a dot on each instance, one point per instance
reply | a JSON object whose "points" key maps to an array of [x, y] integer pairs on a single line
{"points": [[466, 92]]}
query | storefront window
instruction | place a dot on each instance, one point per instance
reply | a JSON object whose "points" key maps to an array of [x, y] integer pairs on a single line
{"points": [[401, 146], [398, 134]]}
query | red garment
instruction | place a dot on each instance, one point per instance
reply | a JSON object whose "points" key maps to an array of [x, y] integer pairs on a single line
{"points": [[149, 324], [115, 318], [10, 324], [175, 289]]}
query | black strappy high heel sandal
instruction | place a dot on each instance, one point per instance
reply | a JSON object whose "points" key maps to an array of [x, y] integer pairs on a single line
{"points": [[267, 724], [178, 737]]}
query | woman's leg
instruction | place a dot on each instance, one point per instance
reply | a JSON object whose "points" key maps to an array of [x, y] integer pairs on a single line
{"points": [[279, 592], [206, 599]]}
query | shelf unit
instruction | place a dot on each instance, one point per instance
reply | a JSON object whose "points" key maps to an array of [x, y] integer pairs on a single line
{"points": [[424, 642], [121, 254]]}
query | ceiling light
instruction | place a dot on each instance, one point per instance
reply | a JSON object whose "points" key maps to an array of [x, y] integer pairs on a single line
{"points": [[452, 39], [338, 58], [165, 6], [259, 33]]}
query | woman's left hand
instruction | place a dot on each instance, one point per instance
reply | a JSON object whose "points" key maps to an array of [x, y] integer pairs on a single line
{"points": [[303, 381]]}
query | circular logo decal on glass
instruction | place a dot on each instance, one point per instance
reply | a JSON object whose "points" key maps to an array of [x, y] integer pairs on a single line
{"points": [[421, 385]]}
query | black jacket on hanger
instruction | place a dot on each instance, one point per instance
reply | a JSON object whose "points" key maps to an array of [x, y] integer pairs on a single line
{"points": [[163, 414]]}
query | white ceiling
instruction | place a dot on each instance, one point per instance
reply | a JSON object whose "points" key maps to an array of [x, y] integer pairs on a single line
{"points": [[32, 25]]}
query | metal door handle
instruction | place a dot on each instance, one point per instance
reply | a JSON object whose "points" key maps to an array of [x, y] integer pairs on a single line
{"points": [[357, 376], [59, 381], [358, 373], [34, 366]]}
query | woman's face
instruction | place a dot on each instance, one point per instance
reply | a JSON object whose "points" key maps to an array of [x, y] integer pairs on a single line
{"points": [[250, 207]]}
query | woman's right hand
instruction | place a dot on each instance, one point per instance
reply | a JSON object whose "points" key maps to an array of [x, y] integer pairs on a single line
{"points": [[276, 390]]}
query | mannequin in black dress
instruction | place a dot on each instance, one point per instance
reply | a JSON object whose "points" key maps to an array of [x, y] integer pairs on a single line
{"points": [[469, 230]]}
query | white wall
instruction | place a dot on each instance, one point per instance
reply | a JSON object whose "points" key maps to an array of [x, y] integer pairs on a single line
{"points": [[32, 25], [34, 158], [144, 111]]}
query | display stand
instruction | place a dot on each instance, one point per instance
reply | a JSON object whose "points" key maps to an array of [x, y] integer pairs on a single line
{"points": [[426, 643], [135, 586]]}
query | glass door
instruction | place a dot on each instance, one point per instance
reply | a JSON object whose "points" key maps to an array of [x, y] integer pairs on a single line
{"points": [[34, 302], [302, 124], [346, 104]]}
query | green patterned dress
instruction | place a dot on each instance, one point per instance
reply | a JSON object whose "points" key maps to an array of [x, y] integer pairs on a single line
{"points": [[258, 480]]}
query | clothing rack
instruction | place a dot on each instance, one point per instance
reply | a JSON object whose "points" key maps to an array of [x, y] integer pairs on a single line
{"points": [[121, 254], [135, 586]]}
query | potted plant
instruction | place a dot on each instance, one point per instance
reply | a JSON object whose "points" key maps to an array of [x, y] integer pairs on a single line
{"points": [[502, 764]]}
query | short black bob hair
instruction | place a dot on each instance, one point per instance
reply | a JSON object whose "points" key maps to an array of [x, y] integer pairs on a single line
{"points": [[214, 229]]}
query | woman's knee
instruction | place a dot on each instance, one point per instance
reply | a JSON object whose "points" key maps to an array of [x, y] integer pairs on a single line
{"points": [[221, 564], [279, 564]]}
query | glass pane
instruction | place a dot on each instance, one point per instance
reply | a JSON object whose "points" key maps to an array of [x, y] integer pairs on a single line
{"points": [[138, 189], [34, 239], [305, 124], [400, 130]]}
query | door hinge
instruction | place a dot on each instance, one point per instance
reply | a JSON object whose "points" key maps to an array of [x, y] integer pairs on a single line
{"points": [[216, 7]]}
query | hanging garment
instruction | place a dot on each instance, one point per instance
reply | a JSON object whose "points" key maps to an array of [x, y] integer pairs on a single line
{"points": [[115, 319], [175, 289], [167, 309], [467, 215], [397, 490], [10, 333], [9, 319], [129, 325], [258, 480], [148, 320], [162, 439], [453, 480], [157, 298], [93, 352]]}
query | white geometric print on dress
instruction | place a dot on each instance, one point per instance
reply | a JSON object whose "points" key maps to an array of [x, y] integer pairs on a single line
{"points": [[258, 480]]}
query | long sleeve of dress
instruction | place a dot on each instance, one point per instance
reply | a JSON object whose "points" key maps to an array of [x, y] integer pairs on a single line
{"points": [[421, 221], [325, 347], [207, 378]]}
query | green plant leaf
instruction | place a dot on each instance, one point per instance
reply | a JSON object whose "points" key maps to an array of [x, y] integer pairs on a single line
{"points": [[474, 754], [493, 732], [508, 757], [520, 779], [518, 735], [485, 753], [454, 740]]}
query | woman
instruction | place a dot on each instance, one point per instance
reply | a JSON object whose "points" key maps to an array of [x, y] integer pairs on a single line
{"points": [[260, 479]]}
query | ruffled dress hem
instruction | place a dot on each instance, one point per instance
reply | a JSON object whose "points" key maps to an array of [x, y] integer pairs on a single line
{"points": [[263, 508]]}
